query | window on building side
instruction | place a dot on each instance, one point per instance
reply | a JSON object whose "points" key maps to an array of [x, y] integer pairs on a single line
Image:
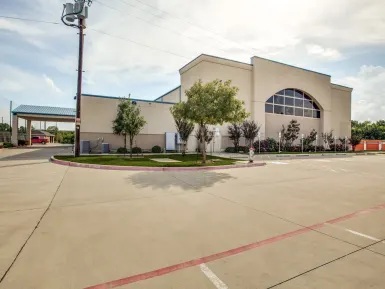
{"points": [[292, 102]]}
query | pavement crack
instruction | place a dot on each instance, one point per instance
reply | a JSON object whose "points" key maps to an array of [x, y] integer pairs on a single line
{"points": [[295, 223], [324, 264], [34, 229]]}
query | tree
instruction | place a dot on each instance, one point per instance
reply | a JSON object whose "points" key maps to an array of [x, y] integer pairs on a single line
{"points": [[22, 129], [369, 130], [212, 103], [52, 129], [309, 139], [128, 121], [354, 140], [290, 133], [235, 133], [183, 126], [5, 127], [328, 139], [204, 135], [250, 131]]}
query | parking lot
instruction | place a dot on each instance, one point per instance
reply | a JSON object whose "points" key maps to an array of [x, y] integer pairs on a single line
{"points": [[306, 223]]}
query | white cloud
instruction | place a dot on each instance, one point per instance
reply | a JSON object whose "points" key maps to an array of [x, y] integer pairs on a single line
{"points": [[20, 27], [368, 101], [51, 84], [326, 53], [308, 34]]}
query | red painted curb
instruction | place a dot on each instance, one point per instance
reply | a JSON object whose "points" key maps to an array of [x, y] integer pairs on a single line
{"points": [[153, 169], [213, 257]]}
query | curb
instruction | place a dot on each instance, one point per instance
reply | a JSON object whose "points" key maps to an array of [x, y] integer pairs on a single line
{"points": [[153, 169]]}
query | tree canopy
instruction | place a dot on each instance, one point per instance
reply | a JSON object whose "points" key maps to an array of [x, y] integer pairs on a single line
{"points": [[211, 103], [128, 121], [369, 130]]}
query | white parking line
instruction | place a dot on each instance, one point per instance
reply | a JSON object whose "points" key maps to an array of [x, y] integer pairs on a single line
{"points": [[213, 278], [362, 235], [324, 161], [279, 163], [355, 232]]}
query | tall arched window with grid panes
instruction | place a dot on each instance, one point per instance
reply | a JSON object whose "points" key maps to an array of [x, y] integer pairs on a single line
{"points": [[293, 102]]}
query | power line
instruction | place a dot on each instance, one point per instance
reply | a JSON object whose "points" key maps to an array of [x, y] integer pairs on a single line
{"points": [[30, 20], [162, 27], [105, 33], [193, 24], [141, 44], [159, 16]]}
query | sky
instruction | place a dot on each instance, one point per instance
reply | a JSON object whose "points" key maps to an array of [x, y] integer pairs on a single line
{"points": [[137, 46]]}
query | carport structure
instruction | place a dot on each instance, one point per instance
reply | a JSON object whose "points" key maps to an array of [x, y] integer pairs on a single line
{"points": [[39, 113]]}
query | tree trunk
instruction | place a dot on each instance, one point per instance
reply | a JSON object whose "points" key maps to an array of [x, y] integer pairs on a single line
{"points": [[203, 148], [131, 141], [125, 144]]}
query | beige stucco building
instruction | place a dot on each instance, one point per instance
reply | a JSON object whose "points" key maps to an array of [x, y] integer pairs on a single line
{"points": [[273, 93]]}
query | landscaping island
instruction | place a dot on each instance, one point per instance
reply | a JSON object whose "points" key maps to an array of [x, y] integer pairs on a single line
{"points": [[157, 160]]}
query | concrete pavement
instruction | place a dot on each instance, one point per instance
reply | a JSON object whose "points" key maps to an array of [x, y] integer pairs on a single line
{"points": [[99, 226]]}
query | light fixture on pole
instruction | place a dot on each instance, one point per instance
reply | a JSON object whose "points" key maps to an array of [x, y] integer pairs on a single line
{"points": [[346, 138], [302, 136], [279, 142], [335, 144], [216, 134], [316, 142], [71, 12], [259, 142]]}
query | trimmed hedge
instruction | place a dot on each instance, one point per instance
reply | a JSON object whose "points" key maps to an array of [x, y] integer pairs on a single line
{"points": [[122, 150], [240, 149], [7, 145], [136, 150], [156, 149], [270, 145]]}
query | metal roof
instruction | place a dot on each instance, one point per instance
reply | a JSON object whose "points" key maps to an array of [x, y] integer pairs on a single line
{"points": [[44, 110], [41, 132]]}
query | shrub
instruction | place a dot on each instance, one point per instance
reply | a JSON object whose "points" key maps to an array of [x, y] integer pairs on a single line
{"points": [[7, 145], [230, 150], [240, 149], [21, 142], [244, 149], [136, 150], [156, 149], [267, 145], [122, 150]]}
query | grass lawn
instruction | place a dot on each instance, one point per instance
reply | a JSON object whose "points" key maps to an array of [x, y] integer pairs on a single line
{"points": [[190, 160]]}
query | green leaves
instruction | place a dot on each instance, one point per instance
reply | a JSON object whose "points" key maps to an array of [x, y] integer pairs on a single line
{"points": [[128, 120], [212, 103]]}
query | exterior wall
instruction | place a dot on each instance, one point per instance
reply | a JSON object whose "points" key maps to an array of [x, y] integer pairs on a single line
{"points": [[171, 96], [256, 82], [208, 68], [270, 77], [341, 111], [98, 114], [274, 124]]}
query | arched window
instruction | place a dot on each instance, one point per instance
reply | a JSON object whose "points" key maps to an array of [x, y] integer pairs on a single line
{"points": [[292, 102]]}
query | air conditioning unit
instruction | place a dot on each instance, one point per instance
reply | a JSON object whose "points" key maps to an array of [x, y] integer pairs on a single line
{"points": [[85, 146]]}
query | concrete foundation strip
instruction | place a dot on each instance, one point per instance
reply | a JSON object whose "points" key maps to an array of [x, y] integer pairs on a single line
{"points": [[231, 252]]}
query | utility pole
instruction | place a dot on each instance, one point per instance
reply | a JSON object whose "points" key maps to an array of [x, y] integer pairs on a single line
{"points": [[79, 89], [78, 11], [10, 116]]}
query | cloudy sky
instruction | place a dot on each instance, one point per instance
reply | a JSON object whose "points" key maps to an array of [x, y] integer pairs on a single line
{"points": [[137, 46]]}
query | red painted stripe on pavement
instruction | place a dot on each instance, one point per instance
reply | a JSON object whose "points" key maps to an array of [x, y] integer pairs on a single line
{"points": [[231, 252]]}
